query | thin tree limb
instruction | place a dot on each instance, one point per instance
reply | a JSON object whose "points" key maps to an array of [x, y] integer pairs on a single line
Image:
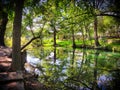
{"points": [[29, 42], [39, 36]]}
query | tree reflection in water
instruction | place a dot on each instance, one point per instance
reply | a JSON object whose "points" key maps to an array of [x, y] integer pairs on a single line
{"points": [[78, 69]]}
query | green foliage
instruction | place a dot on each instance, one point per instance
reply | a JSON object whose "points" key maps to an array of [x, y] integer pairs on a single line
{"points": [[74, 67], [64, 43], [66, 16]]}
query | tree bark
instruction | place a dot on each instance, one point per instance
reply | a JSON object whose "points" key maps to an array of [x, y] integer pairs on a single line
{"points": [[73, 37], [16, 47], [96, 32], [3, 24], [54, 36], [95, 5], [16, 43]]}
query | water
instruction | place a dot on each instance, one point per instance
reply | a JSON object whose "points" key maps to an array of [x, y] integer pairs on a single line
{"points": [[76, 69]]}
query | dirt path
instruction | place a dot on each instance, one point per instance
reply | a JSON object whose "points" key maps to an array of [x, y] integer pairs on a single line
{"points": [[5, 61]]}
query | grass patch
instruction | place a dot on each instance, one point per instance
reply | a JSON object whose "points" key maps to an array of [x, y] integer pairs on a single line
{"points": [[64, 43]]}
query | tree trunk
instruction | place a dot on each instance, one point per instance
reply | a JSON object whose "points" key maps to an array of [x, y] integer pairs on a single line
{"points": [[3, 24], [83, 37], [54, 54], [54, 36], [16, 47], [73, 38], [95, 32]]}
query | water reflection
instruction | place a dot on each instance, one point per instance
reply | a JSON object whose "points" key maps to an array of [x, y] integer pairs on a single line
{"points": [[77, 69]]}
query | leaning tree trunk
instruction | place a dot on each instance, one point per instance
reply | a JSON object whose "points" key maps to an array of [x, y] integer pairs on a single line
{"points": [[3, 24], [16, 47]]}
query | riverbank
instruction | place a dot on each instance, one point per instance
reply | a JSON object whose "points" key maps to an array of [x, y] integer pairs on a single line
{"points": [[9, 79], [112, 45]]}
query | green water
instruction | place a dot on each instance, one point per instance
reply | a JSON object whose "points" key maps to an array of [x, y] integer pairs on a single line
{"points": [[77, 69]]}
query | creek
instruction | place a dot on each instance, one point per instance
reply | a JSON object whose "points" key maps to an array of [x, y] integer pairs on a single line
{"points": [[75, 69]]}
